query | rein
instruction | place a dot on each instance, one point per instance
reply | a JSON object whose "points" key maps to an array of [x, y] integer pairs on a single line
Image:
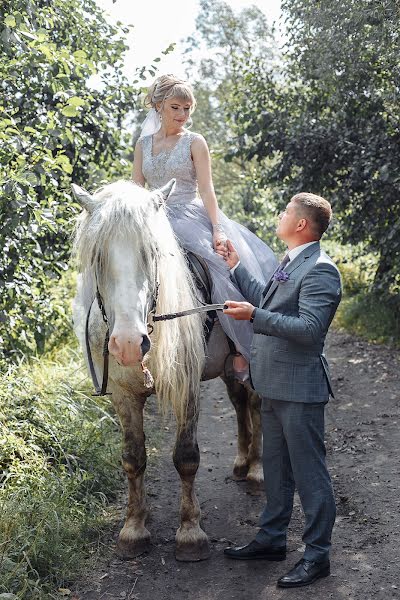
{"points": [[100, 391], [189, 311]]}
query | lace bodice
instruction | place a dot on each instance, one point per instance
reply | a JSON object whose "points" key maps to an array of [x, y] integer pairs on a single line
{"points": [[192, 227], [172, 163]]}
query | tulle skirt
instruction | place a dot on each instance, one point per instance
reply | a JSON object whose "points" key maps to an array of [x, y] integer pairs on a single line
{"points": [[192, 227]]}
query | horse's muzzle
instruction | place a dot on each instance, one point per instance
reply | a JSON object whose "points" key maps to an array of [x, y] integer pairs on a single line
{"points": [[129, 351]]}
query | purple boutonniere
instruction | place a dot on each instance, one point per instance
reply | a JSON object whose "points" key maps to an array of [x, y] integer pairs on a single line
{"points": [[280, 276]]}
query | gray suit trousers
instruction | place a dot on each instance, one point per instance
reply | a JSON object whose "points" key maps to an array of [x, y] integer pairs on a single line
{"points": [[294, 457]]}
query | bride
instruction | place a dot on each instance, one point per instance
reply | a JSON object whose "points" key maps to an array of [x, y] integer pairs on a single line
{"points": [[166, 149]]}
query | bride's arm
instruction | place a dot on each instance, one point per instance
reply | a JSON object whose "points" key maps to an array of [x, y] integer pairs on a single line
{"points": [[202, 164], [137, 174]]}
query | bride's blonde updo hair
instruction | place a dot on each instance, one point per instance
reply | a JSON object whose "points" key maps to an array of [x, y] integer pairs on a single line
{"points": [[169, 86]]}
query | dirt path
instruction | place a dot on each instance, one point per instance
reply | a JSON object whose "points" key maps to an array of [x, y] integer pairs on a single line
{"points": [[363, 438]]}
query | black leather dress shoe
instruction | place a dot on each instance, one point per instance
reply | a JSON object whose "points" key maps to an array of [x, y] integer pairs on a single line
{"points": [[256, 551], [304, 573]]}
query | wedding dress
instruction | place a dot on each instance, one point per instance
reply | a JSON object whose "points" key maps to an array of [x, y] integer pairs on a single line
{"points": [[192, 227]]}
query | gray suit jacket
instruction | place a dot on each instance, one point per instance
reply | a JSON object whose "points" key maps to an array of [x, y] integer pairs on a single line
{"points": [[287, 360]]}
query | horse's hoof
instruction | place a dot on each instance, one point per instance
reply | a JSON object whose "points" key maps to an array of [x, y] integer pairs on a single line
{"points": [[193, 548], [132, 545], [255, 475], [193, 552], [240, 470]]}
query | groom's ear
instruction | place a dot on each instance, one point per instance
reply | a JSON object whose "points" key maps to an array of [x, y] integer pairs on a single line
{"points": [[302, 223]]}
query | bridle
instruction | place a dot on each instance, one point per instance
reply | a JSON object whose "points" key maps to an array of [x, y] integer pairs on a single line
{"points": [[102, 390]]}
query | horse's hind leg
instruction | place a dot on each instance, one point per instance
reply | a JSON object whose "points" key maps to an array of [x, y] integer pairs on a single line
{"points": [[191, 541], [247, 404], [134, 538], [238, 395], [254, 458]]}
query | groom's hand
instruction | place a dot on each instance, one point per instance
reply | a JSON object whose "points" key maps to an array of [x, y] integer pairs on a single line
{"points": [[232, 257], [241, 311]]}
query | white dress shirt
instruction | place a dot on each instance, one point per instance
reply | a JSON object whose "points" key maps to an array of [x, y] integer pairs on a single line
{"points": [[296, 251]]}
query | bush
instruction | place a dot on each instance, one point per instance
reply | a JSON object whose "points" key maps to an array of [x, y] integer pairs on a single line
{"points": [[54, 129], [364, 310], [356, 265]]}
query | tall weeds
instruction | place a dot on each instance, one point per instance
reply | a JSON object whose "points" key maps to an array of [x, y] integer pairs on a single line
{"points": [[59, 468]]}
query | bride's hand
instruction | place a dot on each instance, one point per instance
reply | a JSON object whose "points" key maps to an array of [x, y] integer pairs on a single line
{"points": [[219, 240], [219, 243]]}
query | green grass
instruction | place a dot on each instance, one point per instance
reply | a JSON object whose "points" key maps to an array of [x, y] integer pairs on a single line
{"points": [[59, 469]]}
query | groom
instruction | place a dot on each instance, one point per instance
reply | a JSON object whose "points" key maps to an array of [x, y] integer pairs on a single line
{"points": [[291, 316]]}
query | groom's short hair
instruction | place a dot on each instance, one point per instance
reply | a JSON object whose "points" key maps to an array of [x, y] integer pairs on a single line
{"points": [[316, 209]]}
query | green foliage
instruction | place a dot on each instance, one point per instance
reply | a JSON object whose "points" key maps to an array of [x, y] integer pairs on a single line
{"points": [[54, 127], [329, 123], [358, 314], [59, 457], [357, 267], [363, 311], [60, 293], [225, 39]]}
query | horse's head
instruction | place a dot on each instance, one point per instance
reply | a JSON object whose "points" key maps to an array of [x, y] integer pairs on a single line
{"points": [[118, 251]]}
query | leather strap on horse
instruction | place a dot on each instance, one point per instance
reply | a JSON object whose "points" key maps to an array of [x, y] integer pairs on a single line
{"points": [[202, 278], [189, 311], [206, 308], [100, 391]]}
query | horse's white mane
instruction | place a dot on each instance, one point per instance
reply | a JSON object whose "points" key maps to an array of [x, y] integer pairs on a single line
{"points": [[176, 359]]}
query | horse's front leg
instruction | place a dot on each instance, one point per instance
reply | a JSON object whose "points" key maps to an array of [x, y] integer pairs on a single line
{"points": [[134, 538], [191, 541]]}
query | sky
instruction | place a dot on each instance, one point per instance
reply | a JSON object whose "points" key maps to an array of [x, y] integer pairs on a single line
{"points": [[158, 23]]}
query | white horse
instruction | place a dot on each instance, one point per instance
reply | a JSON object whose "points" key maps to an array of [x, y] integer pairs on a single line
{"points": [[128, 253]]}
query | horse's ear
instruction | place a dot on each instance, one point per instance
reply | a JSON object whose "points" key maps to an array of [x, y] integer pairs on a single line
{"points": [[83, 197], [168, 188], [161, 195]]}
